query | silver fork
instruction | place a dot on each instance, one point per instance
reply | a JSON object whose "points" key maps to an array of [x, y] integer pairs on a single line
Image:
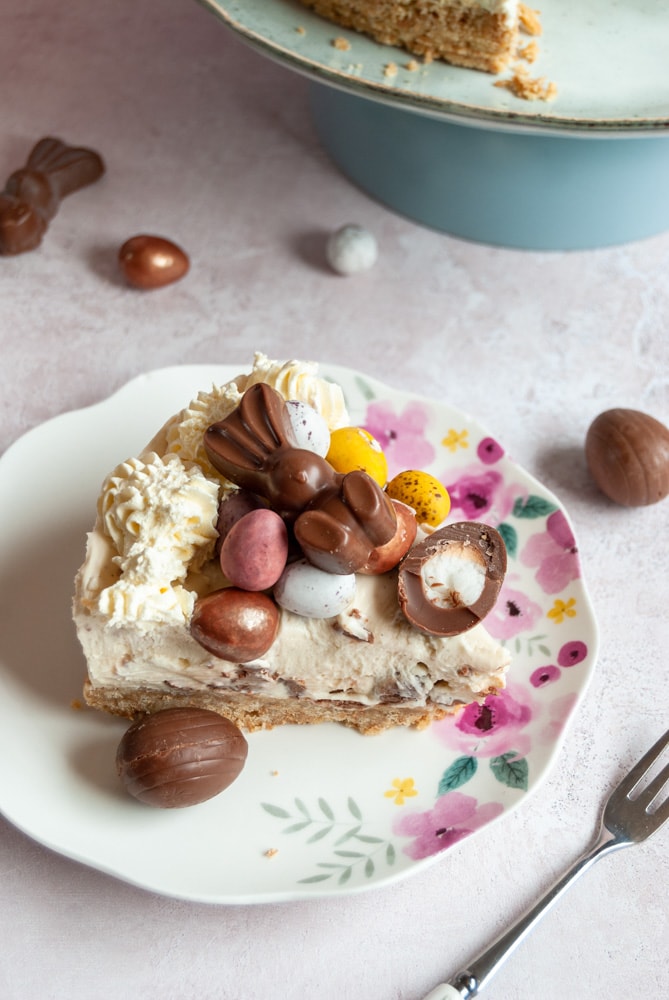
{"points": [[632, 813]]}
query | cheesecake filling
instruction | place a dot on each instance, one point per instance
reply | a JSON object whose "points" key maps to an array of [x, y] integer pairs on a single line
{"points": [[151, 554]]}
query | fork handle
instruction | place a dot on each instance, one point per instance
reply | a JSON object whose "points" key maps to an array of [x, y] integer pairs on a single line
{"points": [[481, 969]]}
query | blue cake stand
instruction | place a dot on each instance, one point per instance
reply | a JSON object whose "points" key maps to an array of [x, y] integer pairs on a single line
{"points": [[541, 191], [449, 149]]}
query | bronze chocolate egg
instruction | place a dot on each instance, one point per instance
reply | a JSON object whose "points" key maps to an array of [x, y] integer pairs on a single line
{"points": [[152, 261], [235, 625]]}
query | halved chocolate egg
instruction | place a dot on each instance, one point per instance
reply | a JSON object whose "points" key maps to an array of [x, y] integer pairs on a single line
{"points": [[449, 582]]}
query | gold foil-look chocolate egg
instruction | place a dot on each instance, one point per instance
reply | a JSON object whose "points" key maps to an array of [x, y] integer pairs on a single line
{"points": [[627, 453], [152, 262], [235, 625]]}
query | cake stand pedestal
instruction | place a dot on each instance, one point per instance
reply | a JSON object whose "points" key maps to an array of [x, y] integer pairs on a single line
{"points": [[514, 188]]}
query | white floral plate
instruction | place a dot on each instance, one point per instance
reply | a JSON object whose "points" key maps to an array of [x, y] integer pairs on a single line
{"points": [[608, 61], [317, 810]]}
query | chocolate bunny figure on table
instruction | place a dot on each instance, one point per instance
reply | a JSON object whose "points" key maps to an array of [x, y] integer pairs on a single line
{"points": [[338, 520], [33, 193]]}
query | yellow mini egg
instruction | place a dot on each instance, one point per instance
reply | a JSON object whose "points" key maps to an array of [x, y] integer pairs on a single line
{"points": [[428, 497], [353, 448]]}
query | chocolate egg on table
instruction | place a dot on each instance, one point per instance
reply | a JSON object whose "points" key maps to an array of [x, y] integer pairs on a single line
{"points": [[152, 261], [180, 757], [255, 550], [235, 625], [627, 453], [351, 249]]}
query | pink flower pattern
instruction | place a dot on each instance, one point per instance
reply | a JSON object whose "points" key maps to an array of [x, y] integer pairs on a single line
{"points": [[401, 436], [482, 495], [493, 727], [553, 554], [514, 612], [453, 817]]}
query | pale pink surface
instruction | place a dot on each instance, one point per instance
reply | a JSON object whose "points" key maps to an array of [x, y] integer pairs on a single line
{"points": [[210, 145]]}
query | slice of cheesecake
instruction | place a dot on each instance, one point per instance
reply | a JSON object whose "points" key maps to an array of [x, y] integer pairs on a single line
{"points": [[152, 556], [480, 34]]}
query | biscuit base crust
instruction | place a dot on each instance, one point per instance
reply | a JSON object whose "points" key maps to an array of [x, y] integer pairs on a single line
{"points": [[252, 713]]}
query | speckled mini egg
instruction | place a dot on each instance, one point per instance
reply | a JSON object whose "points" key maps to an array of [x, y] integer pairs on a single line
{"points": [[351, 249], [310, 429], [428, 497], [354, 448], [312, 593]]}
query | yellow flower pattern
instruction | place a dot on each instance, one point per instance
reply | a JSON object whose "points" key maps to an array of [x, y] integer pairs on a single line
{"points": [[456, 439], [562, 610], [402, 788]]}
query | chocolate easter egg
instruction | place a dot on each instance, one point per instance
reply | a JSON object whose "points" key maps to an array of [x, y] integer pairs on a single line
{"points": [[180, 757], [627, 452]]}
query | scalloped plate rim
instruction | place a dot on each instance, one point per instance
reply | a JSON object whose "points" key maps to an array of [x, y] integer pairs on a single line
{"points": [[39, 831]]}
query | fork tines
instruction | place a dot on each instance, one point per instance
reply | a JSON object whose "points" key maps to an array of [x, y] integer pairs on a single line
{"points": [[631, 787]]}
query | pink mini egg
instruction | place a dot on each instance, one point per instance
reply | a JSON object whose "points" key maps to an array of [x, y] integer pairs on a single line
{"points": [[255, 550]]}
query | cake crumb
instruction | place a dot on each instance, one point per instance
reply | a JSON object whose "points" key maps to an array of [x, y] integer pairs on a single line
{"points": [[390, 70], [342, 44], [76, 705], [274, 773], [412, 65], [529, 88], [529, 19], [300, 30], [271, 851], [529, 52]]}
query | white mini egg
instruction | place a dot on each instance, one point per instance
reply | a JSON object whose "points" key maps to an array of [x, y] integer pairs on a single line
{"points": [[311, 592], [351, 249], [310, 429]]}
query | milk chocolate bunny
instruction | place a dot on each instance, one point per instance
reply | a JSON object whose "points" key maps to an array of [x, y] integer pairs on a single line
{"points": [[33, 193], [337, 519]]}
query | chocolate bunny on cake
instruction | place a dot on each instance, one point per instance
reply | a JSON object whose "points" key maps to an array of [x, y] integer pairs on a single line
{"points": [[337, 520]]}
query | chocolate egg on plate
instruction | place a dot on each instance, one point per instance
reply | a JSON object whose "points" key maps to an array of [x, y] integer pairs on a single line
{"points": [[180, 757]]}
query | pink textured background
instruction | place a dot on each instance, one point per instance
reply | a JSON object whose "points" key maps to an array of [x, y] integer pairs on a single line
{"points": [[209, 144]]}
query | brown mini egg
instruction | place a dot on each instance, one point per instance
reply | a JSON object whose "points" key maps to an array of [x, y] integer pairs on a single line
{"points": [[235, 625], [180, 757], [152, 261], [627, 453]]}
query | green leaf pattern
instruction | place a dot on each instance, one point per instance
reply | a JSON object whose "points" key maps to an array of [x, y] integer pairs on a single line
{"points": [[373, 852], [508, 768], [460, 771]]}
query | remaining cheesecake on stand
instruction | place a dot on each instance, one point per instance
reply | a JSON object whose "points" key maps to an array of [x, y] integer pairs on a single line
{"points": [[480, 34], [231, 567]]}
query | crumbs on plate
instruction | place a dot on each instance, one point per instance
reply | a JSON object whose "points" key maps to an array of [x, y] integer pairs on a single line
{"points": [[529, 52], [529, 20], [529, 88]]}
